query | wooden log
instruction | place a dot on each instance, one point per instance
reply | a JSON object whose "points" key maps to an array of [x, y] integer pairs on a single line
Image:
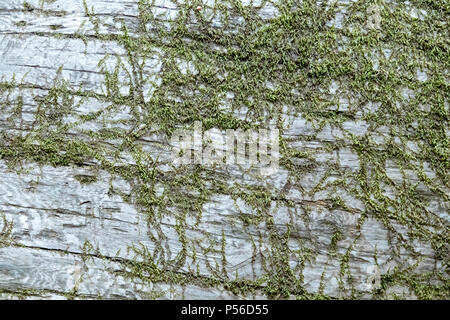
{"points": [[92, 205]]}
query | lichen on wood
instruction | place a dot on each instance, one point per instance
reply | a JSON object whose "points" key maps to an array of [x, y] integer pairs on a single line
{"points": [[93, 206]]}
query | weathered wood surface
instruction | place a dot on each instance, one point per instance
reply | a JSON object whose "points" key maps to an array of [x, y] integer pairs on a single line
{"points": [[78, 229]]}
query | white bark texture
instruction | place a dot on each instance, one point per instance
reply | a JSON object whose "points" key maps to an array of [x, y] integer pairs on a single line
{"points": [[93, 207]]}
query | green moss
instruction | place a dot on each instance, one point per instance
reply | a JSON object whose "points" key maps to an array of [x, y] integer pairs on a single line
{"points": [[273, 68], [6, 238], [85, 179], [27, 6]]}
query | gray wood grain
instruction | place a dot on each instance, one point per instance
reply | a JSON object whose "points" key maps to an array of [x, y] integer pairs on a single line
{"points": [[53, 215]]}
